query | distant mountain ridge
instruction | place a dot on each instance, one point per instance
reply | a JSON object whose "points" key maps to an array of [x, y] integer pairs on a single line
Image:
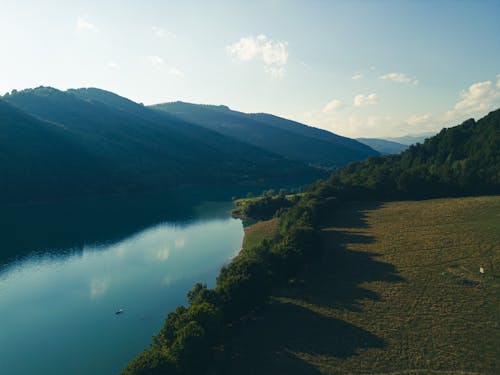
{"points": [[411, 139], [290, 139], [383, 146], [61, 144]]}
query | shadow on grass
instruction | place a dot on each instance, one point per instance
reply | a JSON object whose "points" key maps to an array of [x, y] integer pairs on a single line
{"points": [[335, 281], [266, 345]]}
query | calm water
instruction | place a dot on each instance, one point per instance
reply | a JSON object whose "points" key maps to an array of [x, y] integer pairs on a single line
{"points": [[65, 270]]}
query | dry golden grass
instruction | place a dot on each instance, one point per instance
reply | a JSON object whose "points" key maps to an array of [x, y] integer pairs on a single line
{"points": [[398, 291]]}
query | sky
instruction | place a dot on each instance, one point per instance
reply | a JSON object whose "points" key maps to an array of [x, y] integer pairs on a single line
{"points": [[356, 68]]}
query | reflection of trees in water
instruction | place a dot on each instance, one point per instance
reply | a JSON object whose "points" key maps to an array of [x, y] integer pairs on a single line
{"points": [[71, 225], [66, 227]]}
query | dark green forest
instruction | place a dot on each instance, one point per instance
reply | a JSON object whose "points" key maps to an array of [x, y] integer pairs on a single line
{"points": [[463, 160], [287, 138], [66, 144]]}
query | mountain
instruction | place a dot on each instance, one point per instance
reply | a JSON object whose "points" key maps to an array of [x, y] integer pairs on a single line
{"points": [[383, 146], [412, 139], [462, 160], [88, 141], [36, 158], [290, 139]]}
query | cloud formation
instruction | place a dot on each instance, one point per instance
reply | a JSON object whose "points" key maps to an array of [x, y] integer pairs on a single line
{"points": [[273, 53], [162, 33], [334, 105], [364, 100], [83, 24], [418, 119], [478, 99], [357, 76], [399, 78], [175, 71], [155, 60]]}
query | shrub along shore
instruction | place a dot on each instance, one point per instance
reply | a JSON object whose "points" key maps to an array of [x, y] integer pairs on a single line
{"points": [[460, 161], [192, 338]]}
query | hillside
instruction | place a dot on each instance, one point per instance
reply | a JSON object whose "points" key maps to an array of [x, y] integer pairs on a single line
{"points": [[305, 293], [396, 291], [289, 139], [461, 160], [117, 145], [411, 139], [41, 159], [383, 146]]}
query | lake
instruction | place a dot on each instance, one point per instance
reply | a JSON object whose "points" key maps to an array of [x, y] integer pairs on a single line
{"points": [[66, 269]]}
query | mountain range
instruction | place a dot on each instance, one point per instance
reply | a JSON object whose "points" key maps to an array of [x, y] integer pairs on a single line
{"points": [[383, 146], [61, 144], [411, 139]]}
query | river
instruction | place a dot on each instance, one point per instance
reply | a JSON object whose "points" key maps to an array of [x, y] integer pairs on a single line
{"points": [[66, 269]]}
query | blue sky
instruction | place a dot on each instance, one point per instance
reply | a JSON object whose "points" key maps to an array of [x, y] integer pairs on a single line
{"points": [[357, 68]]}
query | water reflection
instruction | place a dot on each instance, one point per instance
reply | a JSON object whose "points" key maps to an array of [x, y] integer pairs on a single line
{"points": [[72, 225], [57, 304]]}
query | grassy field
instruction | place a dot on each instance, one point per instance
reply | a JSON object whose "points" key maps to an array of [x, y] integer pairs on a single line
{"points": [[256, 233], [398, 291]]}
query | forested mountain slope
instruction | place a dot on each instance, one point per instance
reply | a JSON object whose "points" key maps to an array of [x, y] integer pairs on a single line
{"points": [[287, 138], [92, 141], [461, 160]]}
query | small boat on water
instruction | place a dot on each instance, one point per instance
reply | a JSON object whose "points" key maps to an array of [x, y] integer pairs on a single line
{"points": [[118, 312]]}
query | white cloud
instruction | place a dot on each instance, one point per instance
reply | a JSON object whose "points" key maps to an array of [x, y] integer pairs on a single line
{"points": [[155, 60], [364, 100], [334, 105], [83, 24], [275, 72], [498, 81], [357, 76], [418, 119], [398, 77], [478, 99], [113, 65], [162, 33], [273, 53], [175, 71]]}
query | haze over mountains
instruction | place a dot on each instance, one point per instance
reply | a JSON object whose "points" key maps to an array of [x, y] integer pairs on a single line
{"points": [[383, 146], [58, 144], [411, 139]]}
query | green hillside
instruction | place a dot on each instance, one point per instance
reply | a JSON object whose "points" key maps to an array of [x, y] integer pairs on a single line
{"points": [[461, 160], [397, 290], [336, 286], [39, 159], [117, 145], [289, 139]]}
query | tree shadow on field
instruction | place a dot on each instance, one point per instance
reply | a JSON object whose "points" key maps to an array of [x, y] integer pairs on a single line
{"points": [[266, 345], [298, 321]]}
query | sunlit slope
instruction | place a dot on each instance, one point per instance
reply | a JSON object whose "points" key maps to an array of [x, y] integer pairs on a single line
{"points": [[399, 291]]}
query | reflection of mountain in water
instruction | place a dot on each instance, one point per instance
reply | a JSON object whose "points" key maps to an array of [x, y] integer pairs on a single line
{"points": [[68, 226]]}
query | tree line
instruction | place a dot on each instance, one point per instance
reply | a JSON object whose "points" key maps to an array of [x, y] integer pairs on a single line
{"points": [[459, 161]]}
